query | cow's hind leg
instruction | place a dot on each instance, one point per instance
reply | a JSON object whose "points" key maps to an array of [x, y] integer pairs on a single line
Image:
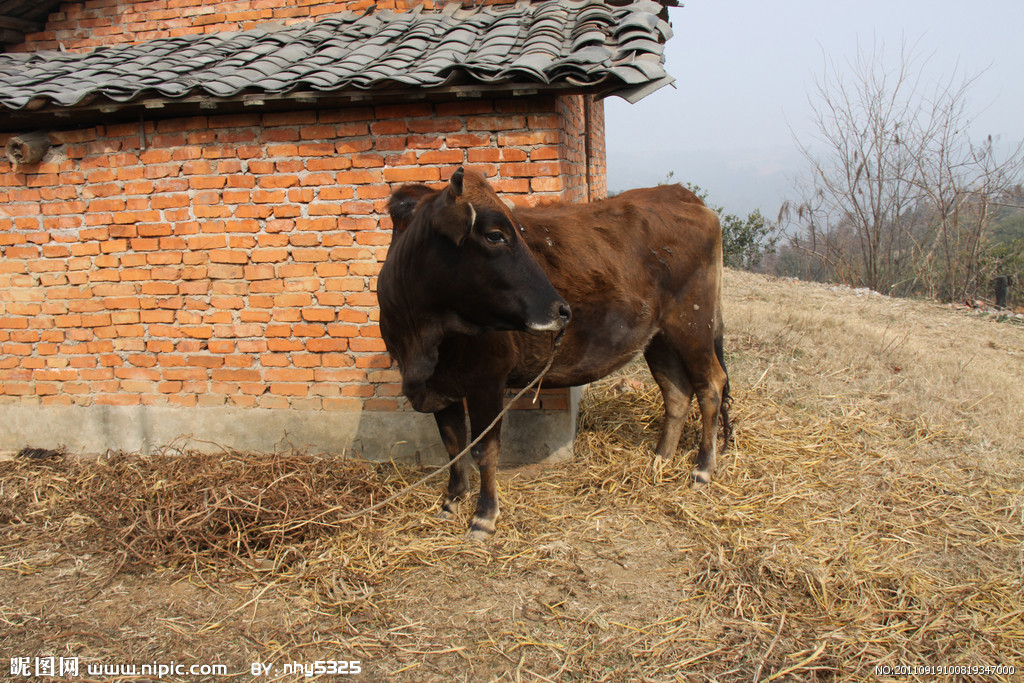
{"points": [[451, 422], [709, 380], [706, 375], [709, 397], [667, 370]]}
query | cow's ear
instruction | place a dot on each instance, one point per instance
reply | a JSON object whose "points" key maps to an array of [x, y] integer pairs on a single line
{"points": [[455, 221], [403, 203], [455, 184]]}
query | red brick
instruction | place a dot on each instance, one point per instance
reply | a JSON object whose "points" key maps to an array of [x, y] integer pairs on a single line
{"points": [[207, 183], [544, 168], [310, 255], [359, 344], [322, 209], [435, 125], [450, 156], [363, 390], [318, 314], [169, 201], [556, 184], [389, 127], [289, 389], [321, 223], [228, 256], [266, 196], [544, 153], [278, 181], [367, 161], [268, 255], [509, 122], [508, 185], [405, 175], [541, 121], [307, 330], [468, 140], [338, 193], [297, 299], [200, 332], [359, 177], [521, 138], [327, 345]]}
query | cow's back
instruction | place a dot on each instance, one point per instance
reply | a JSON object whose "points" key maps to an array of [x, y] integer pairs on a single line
{"points": [[621, 263]]}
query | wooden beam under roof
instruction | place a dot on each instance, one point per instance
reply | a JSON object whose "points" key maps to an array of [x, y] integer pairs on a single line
{"points": [[21, 17]]}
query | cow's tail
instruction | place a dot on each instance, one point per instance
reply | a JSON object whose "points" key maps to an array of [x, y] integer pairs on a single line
{"points": [[726, 396]]}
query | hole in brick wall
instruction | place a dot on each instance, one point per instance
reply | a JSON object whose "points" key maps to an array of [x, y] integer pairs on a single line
{"points": [[27, 148]]}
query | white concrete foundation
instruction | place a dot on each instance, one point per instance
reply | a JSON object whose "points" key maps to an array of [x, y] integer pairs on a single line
{"points": [[528, 436]]}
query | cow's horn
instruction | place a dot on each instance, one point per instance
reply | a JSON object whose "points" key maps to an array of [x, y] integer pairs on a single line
{"points": [[456, 181]]}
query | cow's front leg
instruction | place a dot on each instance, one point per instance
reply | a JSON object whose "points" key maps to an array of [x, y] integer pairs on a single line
{"points": [[484, 406], [451, 422]]}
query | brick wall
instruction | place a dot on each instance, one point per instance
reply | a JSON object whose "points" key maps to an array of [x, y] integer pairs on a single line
{"points": [[597, 177], [582, 142], [232, 260]]}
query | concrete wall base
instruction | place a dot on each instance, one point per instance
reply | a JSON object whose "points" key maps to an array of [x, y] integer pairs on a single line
{"points": [[528, 436]]}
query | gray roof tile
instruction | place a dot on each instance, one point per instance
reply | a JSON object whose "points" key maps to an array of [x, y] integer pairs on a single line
{"points": [[585, 43]]}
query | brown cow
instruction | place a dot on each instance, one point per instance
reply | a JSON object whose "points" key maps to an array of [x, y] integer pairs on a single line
{"points": [[469, 289]]}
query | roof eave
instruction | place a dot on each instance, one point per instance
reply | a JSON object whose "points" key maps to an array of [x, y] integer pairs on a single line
{"points": [[98, 110]]}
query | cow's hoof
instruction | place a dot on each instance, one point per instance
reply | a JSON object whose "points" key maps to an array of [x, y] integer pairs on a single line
{"points": [[447, 510], [701, 478], [481, 529]]}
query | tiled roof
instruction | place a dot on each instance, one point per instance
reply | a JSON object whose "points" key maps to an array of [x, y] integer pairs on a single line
{"points": [[585, 43]]}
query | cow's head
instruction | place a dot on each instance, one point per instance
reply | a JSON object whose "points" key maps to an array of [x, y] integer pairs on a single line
{"points": [[457, 265], [471, 258]]}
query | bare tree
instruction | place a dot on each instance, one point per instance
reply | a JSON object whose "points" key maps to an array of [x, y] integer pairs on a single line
{"points": [[961, 183], [897, 199], [862, 161]]}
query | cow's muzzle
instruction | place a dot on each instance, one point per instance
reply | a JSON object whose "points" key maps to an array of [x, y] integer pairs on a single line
{"points": [[559, 318]]}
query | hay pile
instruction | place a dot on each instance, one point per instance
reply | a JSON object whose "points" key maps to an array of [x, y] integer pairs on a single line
{"points": [[187, 508]]}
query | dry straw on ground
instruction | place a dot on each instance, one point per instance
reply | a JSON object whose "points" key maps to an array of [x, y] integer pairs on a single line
{"points": [[869, 512]]}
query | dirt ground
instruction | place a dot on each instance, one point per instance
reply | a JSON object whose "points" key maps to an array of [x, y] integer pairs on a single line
{"points": [[869, 513]]}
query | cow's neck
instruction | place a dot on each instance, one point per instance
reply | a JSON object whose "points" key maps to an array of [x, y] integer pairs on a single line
{"points": [[421, 358]]}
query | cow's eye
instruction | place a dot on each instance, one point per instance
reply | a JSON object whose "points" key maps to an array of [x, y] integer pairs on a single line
{"points": [[495, 237]]}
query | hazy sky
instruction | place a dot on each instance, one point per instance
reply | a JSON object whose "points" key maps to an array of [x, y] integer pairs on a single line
{"points": [[744, 68]]}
